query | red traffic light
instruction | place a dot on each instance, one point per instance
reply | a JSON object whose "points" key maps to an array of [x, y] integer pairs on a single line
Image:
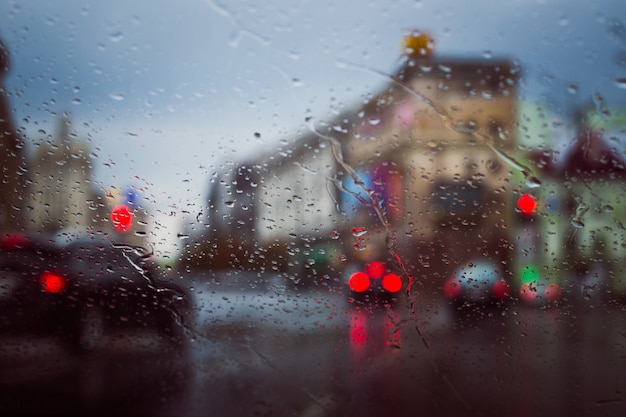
{"points": [[121, 217], [526, 203]]}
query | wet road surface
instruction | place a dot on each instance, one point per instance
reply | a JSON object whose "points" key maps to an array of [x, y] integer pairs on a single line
{"points": [[314, 354]]}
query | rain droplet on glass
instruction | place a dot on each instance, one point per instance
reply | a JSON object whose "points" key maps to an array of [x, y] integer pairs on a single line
{"points": [[116, 37], [117, 96]]}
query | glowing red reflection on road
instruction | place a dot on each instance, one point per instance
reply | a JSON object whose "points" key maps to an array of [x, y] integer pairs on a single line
{"points": [[358, 330]]}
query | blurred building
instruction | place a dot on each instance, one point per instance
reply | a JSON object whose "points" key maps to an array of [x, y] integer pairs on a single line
{"points": [[594, 171], [12, 158], [545, 137], [62, 198], [430, 156], [576, 234], [420, 164], [260, 213], [226, 235], [60, 189]]}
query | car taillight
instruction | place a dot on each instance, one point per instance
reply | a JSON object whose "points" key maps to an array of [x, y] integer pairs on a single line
{"points": [[359, 282], [528, 292], [52, 283], [14, 241], [553, 292], [392, 283], [501, 289], [375, 269], [452, 288]]}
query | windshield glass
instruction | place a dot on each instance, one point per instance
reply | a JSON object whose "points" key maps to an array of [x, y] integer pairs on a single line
{"points": [[317, 208]]}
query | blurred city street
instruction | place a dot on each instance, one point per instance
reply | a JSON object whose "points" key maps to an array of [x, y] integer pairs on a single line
{"points": [[268, 351], [311, 209]]}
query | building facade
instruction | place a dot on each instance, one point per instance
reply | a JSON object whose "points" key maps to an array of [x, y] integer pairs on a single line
{"points": [[13, 166], [60, 174], [419, 168]]}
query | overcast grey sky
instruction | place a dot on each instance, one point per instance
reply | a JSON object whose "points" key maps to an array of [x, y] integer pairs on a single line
{"points": [[167, 90]]}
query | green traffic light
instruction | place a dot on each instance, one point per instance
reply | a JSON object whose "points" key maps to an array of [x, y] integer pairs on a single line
{"points": [[529, 274]]}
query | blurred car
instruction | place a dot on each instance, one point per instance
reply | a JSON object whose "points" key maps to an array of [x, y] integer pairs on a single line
{"points": [[84, 289], [33, 285], [374, 282], [477, 283]]}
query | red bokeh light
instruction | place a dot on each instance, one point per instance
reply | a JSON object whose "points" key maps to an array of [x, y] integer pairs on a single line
{"points": [[553, 292], [359, 282], [392, 283], [52, 283], [526, 203], [452, 288], [14, 241], [121, 217], [375, 269], [527, 293], [358, 330], [501, 290]]}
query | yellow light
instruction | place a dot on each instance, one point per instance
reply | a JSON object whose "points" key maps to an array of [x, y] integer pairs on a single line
{"points": [[418, 44]]}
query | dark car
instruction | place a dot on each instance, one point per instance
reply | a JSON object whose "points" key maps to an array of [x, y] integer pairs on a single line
{"points": [[374, 282], [33, 285], [86, 289]]}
